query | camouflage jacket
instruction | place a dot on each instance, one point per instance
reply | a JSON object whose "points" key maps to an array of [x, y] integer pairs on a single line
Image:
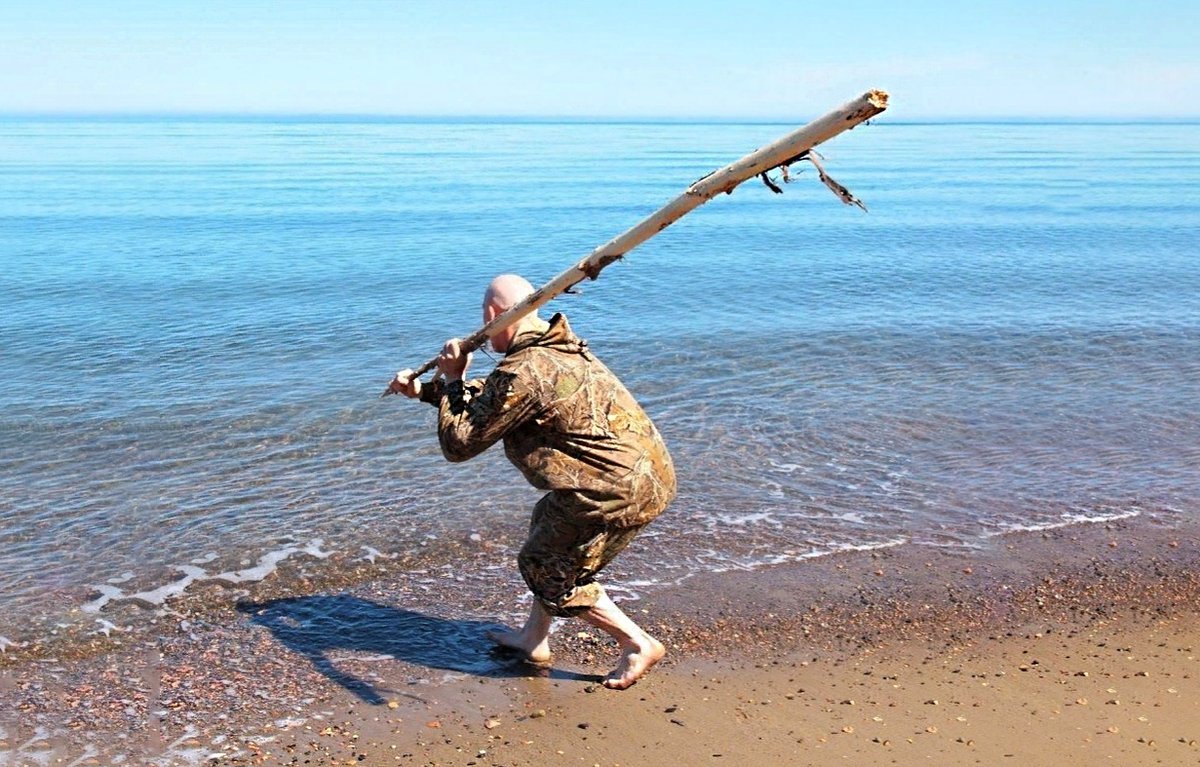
{"points": [[567, 423]]}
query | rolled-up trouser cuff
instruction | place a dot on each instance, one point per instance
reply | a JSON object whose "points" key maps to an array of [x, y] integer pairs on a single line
{"points": [[575, 602]]}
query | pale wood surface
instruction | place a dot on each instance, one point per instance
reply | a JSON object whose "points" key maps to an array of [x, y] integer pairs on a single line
{"points": [[780, 153]]}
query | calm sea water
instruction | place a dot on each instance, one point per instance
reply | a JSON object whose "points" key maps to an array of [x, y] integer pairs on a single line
{"points": [[197, 317]]}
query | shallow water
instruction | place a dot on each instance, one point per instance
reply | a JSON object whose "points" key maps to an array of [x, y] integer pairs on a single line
{"points": [[198, 316]]}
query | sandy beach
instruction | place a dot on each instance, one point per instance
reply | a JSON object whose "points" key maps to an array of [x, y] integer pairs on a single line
{"points": [[1060, 647]]}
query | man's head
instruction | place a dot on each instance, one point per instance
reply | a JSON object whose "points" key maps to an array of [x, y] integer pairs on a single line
{"points": [[505, 292]]}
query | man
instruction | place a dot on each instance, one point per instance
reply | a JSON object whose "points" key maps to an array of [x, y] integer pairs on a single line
{"points": [[573, 429]]}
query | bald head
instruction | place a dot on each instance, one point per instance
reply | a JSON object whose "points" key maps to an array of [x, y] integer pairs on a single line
{"points": [[506, 291]]}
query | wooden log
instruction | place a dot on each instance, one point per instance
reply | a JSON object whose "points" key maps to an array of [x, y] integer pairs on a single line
{"points": [[782, 152]]}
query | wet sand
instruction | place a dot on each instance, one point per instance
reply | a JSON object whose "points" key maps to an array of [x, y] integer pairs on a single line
{"points": [[1062, 647]]}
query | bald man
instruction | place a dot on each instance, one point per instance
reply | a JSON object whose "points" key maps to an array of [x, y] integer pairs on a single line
{"points": [[573, 429]]}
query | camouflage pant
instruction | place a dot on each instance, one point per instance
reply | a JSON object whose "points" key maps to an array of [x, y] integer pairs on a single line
{"points": [[563, 553]]}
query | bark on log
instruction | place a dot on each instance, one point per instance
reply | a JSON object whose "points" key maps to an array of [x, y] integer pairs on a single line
{"points": [[782, 152]]}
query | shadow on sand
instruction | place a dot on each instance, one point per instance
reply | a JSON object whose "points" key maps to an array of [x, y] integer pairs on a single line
{"points": [[315, 626]]}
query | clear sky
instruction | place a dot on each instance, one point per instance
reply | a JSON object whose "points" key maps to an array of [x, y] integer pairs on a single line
{"points": [[612, 58]]}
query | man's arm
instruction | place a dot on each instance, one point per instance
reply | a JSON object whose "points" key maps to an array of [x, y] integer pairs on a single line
{"points": [[471, 416], [470, 419]]}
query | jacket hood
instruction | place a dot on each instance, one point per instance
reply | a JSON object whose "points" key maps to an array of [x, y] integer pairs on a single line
{"points": [[558, 337]]}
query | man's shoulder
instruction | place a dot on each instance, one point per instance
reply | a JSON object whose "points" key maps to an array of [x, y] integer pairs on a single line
{"points": [[534, 356]]}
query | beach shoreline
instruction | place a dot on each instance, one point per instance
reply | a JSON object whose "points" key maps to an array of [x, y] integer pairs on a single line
{"points": [[961, 655]]}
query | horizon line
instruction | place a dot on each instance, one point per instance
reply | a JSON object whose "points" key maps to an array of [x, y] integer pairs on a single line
{"points": [[388, 117]]}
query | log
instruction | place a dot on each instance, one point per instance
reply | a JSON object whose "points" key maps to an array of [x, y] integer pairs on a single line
{"points": [[779, 154]]}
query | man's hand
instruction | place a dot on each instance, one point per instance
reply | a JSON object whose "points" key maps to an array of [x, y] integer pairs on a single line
{"points": [[452, 362], [404, 383]]}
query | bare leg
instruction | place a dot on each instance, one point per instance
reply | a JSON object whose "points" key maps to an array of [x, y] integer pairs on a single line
{"points": [[639, 650], [533, 640]]}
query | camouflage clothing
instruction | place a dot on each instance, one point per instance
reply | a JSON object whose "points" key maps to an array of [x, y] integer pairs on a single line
{"points": [[572, 428]]}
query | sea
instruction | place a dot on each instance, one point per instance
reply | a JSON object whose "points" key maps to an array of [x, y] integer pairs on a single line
{"points": [[198, 316]]}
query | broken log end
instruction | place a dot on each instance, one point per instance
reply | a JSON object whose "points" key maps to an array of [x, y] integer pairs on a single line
{"points": [[592, 269]]}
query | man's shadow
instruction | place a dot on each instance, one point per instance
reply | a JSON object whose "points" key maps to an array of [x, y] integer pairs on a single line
{"points": [[314, 626]]}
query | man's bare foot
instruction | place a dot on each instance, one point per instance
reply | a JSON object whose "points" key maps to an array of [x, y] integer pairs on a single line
{"points": [[536, 650], [636, 660]]}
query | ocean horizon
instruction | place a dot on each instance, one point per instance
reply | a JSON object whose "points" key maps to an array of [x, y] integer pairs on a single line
{"points": [[402, 117]]}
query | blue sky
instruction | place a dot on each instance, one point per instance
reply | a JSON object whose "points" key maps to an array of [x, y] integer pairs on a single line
{"points": [[605, 58]]}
